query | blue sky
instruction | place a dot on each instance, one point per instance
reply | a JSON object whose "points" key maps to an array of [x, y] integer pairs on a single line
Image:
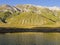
{"points": [[35, 2]]}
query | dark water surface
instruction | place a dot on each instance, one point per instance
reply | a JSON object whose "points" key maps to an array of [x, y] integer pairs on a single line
{"points": [[30, 38]]}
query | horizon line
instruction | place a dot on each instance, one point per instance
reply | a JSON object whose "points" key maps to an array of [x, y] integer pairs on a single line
{"points": [[30, 4]]}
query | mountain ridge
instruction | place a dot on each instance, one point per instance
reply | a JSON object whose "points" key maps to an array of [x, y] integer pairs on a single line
{"points": [[49, 7], [28, 15]]}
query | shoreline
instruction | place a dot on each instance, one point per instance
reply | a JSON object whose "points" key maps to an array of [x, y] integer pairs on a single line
{"points": [[35, 29]]}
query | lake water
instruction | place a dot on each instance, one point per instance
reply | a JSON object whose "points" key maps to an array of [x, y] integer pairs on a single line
{"points": [[30, 38]]}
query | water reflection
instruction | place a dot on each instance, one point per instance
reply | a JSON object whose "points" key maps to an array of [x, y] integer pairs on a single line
{"points": [[30, 38]]}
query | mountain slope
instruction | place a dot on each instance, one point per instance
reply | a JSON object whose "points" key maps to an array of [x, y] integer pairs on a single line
{"points": [[26, 16]]}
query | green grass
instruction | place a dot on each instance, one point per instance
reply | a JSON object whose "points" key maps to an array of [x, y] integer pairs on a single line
{"points": [[31, 18]]}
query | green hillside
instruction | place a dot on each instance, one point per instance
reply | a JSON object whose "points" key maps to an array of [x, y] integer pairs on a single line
{"points": [[29, 16]]}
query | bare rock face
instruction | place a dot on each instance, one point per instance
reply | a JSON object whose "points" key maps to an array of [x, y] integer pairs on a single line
{"points": [[12, 9]]}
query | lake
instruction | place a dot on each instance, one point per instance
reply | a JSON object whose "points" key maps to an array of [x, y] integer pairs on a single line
{"points": [[30, 38]]}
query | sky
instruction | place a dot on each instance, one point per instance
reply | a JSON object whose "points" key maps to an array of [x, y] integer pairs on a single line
{"points": [[35, 2]]}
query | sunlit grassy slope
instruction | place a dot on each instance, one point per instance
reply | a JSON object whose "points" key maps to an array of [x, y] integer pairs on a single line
{"points": [[33, 17]]}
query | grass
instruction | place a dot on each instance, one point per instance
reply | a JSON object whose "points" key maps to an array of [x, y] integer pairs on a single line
{"points": [[47, 18]]}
